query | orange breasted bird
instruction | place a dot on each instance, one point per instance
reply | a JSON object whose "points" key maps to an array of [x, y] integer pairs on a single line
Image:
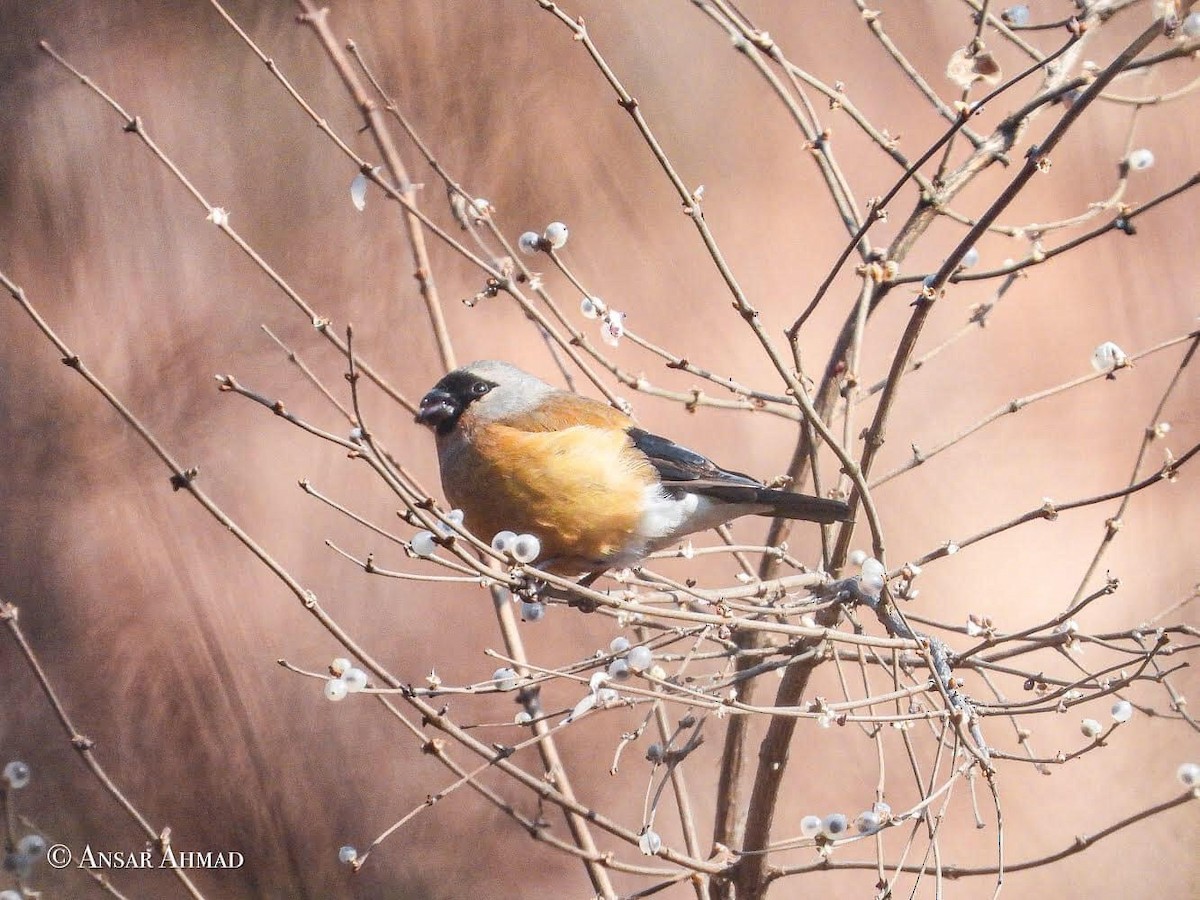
{"points": [[520, 455]]}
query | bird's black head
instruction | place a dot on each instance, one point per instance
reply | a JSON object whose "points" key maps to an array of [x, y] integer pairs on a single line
{"points": [[443, 406]]}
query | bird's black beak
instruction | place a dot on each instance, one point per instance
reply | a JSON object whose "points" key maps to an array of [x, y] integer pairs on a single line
{"points": [[438, 407]]}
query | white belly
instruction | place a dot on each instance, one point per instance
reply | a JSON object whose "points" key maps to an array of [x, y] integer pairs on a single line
{"points": [[667, 518]]}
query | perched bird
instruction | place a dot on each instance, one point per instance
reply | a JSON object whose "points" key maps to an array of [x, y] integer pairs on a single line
{"points": [[520, 455]]}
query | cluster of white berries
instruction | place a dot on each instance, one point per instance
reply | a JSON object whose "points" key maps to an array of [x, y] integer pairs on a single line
{"points": [[345, 679], [1121, 712], [524, 548], [20, 860], [612, 321], [424, 543], [630, 660], [30, 847], [836, 825], [553, 238]]}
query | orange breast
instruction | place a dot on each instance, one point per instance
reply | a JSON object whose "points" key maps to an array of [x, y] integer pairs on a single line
{"points": [[579, 490]]}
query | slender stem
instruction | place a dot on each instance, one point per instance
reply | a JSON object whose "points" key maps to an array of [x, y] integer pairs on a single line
{"points": [[318, 20], [85, 747]]}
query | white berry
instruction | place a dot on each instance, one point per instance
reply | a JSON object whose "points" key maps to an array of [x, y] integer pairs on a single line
{"points": [[336, 689], [505, 678], [1141, 159], [1017, 16], [555, 234], [423, 543], [529, 243], [640, 659], [874, 576], [650, 843], [834, 826], [618, 670], [592, 307], [32, 845], [17, 773], [868, 822], [525, 548], [356, 679], [1122, 711]]}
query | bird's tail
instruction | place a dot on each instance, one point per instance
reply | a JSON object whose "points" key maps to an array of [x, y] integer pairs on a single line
{"points": [[780, 504], [787, 505]]}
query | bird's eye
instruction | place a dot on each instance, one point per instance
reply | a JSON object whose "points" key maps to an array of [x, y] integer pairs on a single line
{"points": [[480, 388]]}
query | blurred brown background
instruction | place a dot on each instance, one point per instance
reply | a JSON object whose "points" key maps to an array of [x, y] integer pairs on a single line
{"points": [[161, 634]]}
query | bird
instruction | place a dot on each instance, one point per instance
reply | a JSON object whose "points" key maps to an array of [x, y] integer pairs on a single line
{"points": [[598, 492]]}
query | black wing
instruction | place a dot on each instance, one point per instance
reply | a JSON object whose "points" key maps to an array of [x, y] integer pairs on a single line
{"points": [[683, 470], [675, 463]]}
